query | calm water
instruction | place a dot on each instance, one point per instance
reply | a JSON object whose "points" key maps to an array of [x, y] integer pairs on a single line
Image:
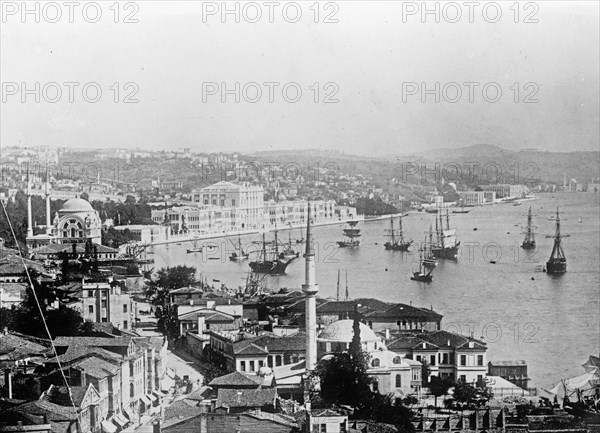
{"points": [[553, 323]]}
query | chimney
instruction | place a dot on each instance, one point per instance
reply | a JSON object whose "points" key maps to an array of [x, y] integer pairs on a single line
{"points": [[201, 325], [387, 333]]}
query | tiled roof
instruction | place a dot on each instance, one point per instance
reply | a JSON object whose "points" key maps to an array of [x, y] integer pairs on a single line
{"points": [[246, 397], [60, 395], [237, 378], [75, 352], [408, 311], [373, 304], [180, 411], [14, 289], [508, 363], [324, 412], [410, 342], [97, 367], [53, 411], [80, 248], [13, 265], [92, 341], [294, 342], [442, 338], [210, 315], [14, 347]]}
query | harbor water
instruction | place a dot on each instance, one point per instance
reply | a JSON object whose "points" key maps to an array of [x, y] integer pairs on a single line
{"points": [[551, 322]]}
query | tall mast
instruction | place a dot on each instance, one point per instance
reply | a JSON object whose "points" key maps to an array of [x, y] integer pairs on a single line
{"points": [[276, 244], [557, 251], [393, 237], [447, 220], [347, 294], [400, 232], [264, 251]]}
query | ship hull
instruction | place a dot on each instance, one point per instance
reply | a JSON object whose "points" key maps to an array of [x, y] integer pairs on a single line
{"points": [[348, 244], [555, 267], [450, 253], [396, 247], [271, 267], [425, 278]]}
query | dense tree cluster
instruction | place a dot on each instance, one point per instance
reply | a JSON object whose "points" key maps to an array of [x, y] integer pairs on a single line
{"points": [[27, 319], [344, 380], [157, 292]]}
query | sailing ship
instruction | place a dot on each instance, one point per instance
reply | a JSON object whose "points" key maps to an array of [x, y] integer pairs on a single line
{"points": [[352, 233], [529, 241], [446, 246], [196, 248], [239, 254], [269, 261], [429, 259], [557, 263], [288, 252], [397, 241], [462, 208], [424, 273]]}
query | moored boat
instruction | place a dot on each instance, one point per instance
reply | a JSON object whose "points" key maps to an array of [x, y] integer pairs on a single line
{"points": [[397, 241], [557, 263], [352, 233], [529, 241]]}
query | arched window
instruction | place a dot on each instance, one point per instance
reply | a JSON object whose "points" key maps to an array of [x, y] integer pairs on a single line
{"points": [[277, 360], [375, 362], [398, 381], [397, 360]]}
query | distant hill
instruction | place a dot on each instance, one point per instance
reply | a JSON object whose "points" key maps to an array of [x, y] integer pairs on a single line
{"points": [[531, 164]]}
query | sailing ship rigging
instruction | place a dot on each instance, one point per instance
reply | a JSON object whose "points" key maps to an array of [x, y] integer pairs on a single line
{"points": [[239, 254], [424, 273], [352, 233], [288, 252], [397, 241], [446, 246], [269, 261], [557, 263], [429, 260], [529, 241]]}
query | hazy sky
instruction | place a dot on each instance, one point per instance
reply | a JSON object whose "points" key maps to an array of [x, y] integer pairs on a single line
{"points": [[374, 58]]}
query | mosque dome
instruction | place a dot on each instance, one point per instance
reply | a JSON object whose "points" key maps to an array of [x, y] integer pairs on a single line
{"points": [[342, 332], [76, 205]]}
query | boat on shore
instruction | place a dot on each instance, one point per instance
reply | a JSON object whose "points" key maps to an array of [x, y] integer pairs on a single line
{"points": [[397, 241], [557, 263]]}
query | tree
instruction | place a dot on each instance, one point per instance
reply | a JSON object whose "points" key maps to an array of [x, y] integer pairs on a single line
{"points": [[425, 372], [168, 279], [471, 395], [439, 386]]}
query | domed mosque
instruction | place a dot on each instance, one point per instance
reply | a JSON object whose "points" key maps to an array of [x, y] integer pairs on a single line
{"points": [[76, 222]]}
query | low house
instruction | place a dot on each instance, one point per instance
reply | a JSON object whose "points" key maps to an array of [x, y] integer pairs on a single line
{"points": [[513, 371], [403, 317], [246, 422], [241, 400]]}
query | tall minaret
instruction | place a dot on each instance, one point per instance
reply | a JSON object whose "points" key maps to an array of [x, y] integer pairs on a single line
{"points": [[48, 221], [29, 219], [310, 288]]}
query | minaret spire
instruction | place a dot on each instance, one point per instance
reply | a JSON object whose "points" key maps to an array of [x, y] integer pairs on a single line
{"points": [[310, 289], [29, 219]]}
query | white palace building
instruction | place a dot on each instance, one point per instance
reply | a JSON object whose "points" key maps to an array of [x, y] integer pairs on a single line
{"points": [[230, 207]]}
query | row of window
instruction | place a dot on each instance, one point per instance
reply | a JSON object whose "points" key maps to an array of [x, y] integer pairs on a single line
{"points": [[103, 305], [445, 360]]}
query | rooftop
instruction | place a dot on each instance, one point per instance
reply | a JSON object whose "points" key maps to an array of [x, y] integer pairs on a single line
{"points": [[246, 397]]}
